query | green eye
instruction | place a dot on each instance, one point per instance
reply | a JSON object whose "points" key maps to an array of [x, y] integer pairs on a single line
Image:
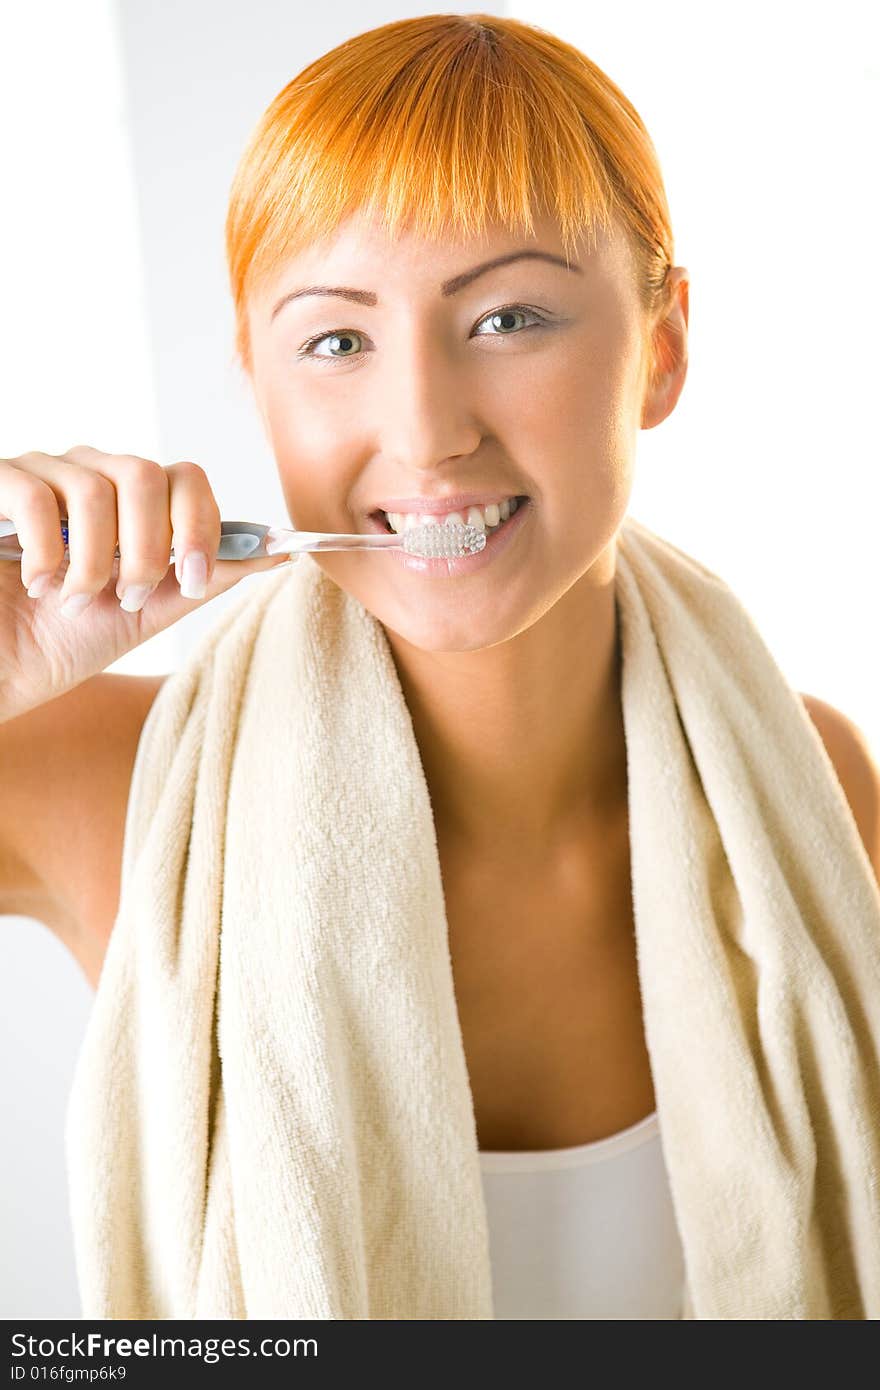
{"points": [[501, 318], [346, 338]]}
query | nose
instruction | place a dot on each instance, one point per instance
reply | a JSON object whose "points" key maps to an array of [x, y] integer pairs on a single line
{"points": [[427, 413]]}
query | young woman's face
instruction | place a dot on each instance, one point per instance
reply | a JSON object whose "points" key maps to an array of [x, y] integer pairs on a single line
{"points": [[525, 380]]}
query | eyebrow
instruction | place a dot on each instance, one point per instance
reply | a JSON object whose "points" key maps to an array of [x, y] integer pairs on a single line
{"points": [[449, 287]]}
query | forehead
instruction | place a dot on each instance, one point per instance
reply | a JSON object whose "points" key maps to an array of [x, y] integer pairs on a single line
{"points": [[362, 253]]}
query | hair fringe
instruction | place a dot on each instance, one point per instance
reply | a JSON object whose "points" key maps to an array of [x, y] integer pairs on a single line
{"points": [[444, 124]]}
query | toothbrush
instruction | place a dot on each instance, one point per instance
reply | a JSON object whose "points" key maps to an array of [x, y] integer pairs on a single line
{"points": [[246, 540]]}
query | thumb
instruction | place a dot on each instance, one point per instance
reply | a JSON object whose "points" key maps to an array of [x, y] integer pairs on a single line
{"points": [[166, 604], [227, 573]]}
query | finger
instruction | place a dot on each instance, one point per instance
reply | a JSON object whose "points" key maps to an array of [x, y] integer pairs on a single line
{"points": [[88, 500], [196, 528], [32, 506], [143, 525]]}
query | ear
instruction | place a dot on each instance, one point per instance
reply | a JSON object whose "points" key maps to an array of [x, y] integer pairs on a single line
{"points": [[668, 352]]}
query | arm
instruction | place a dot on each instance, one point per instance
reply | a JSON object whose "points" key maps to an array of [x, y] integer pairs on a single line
{"points": [[66, 769], [857, 772]]}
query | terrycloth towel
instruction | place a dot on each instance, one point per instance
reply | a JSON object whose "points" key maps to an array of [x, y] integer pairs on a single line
{"points": [[271, 1114]]}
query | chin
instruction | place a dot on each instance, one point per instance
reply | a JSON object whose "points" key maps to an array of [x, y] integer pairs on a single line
{"points": [[434, 637], [459, 632], [432, 624]]}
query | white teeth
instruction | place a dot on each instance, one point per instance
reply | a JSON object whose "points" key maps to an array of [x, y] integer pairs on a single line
{"points": [[487, 518]]}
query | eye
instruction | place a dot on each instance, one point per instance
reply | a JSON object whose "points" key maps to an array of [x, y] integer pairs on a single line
{"points": [[501, 318], [347, 338], [344, 339]]}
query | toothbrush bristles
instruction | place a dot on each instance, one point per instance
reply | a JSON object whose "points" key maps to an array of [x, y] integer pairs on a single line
{"points": [[443, 542]]}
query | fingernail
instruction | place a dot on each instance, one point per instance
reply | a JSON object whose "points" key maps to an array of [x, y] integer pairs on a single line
{"points": [[39, 585], [194, 574], [73, 606], [135, 596]]}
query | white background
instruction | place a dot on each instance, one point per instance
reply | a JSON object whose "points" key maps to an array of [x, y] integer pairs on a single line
{"points": [[121, 125]]}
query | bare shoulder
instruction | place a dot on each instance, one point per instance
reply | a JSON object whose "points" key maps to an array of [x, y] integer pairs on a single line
{"points": [[67, 769], [857, 771]]}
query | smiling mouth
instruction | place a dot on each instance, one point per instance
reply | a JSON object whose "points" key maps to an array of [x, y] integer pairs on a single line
{"points": [[420, 518]]}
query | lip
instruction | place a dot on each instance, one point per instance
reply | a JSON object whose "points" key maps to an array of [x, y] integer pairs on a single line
{"points": [[438, 506], [462, 565]]}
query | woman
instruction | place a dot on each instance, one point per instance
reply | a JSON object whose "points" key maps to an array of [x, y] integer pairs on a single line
{"points": [[392, 393], [452, 265]]}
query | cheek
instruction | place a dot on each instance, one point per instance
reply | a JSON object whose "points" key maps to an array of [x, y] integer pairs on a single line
{"points": [[309, 439], [579, 426], [302, 422]]}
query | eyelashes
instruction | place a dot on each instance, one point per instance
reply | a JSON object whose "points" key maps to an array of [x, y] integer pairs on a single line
{"points": [[347, 333]]}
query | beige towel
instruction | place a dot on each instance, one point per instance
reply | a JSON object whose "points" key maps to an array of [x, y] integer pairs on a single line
{"points": [[271, 1115]]}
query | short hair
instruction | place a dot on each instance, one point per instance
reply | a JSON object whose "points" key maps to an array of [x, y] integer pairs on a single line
{"points": [[441, 122]]}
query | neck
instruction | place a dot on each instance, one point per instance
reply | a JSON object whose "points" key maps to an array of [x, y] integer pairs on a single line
{"points": [[522, 743]]}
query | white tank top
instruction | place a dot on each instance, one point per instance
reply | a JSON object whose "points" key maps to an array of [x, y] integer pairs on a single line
{"points": [[584, 1232]]}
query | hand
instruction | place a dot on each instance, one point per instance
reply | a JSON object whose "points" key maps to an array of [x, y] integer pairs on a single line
{"points": [[111, 501]]}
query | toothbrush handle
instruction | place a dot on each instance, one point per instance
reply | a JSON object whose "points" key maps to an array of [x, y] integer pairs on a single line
{"points": [[298, 542], [239, 540]]}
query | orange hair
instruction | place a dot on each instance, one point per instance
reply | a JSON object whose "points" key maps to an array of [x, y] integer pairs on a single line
{"points": [[442, 121]]}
